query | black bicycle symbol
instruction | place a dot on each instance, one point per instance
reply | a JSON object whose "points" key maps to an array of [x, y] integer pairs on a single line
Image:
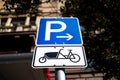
{"points": [[55, 55]]}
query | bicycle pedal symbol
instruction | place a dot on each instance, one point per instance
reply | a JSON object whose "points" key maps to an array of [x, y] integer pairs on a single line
{"points": [[55, 55]]}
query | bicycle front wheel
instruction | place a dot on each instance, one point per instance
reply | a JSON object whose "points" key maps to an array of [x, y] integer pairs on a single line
{"points": [[74, 58]]}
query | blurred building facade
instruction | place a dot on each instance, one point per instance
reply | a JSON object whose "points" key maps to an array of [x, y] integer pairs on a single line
{"points": [[17, 42]]}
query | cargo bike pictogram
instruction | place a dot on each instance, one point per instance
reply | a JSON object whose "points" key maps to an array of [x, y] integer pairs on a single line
{"points": [[55, 55]]}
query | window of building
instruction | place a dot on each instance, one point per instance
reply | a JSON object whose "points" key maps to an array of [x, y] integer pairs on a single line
{"points": [[32, 20], [3, 22], [22, 43], [18, 21]]}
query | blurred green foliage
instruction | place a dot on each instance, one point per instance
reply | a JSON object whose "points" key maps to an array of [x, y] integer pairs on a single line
{"points": [[22, 6], [101, 35]]}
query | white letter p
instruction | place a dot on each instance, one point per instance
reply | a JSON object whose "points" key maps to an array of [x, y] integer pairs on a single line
{"points": [[49, 30]]}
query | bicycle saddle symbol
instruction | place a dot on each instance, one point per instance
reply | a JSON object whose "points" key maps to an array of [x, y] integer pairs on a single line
{"points": [[55, 55]]}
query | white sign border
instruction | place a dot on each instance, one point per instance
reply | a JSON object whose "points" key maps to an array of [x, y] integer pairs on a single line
{"points": [[79, 66]]}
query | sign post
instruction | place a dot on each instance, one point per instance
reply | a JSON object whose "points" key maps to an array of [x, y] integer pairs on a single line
{"points": [[60, 74], [59, 45]]}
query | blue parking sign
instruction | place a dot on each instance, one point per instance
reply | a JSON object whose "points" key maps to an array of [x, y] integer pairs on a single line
{"points": [[59, 32]]}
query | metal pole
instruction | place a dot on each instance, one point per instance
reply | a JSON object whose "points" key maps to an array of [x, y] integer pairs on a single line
{"points": [[60, 74]]}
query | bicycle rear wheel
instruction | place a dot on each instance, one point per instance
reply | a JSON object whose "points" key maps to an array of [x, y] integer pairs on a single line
{"points": [[42, 59]]}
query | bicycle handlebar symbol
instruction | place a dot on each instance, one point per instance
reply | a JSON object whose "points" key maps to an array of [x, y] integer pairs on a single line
{"points": [[55, 55]]}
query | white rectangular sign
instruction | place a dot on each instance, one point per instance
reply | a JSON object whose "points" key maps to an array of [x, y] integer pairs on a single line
{"points": [[59, 57]]}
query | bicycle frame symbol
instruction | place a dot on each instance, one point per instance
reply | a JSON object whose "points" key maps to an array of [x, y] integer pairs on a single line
{"points": [[55, 55]]}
